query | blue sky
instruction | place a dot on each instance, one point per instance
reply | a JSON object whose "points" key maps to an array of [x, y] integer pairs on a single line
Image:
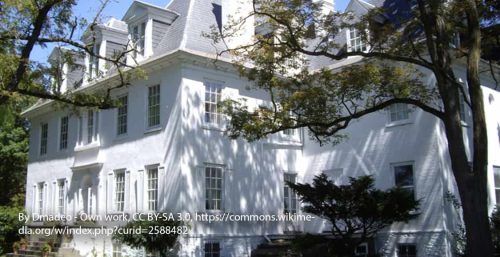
{"points": [[115, 8]]}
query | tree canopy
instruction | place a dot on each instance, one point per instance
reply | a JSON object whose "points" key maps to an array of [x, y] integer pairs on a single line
{"points": [[29, 23], [401, 41]]}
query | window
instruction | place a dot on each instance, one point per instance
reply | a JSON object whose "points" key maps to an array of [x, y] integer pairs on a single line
{"points": [[496, 174], [213, 188], [40, 197], [60, 196], [403, 177], [122, 115], [407, 250], [93, 69], [212, 249], [153, 188], [138, 33], [120, 191], [355, 42], [398, 112], [289, 196], [289, 132], [212, 99], [43, 138], [361, 250], [154, 106], [63, 137], [90, 126], [117, 249]]}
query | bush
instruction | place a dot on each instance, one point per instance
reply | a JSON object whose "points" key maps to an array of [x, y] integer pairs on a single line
{"points": [[9, 227]]}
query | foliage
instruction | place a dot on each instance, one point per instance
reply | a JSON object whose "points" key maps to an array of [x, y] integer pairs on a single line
{"points": [[46, 248], [495, 230], [25, 24], [357, 211], [152, 242], [9, 227], [420, 39]]}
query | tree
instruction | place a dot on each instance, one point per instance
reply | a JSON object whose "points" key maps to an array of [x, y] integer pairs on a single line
{"points": [[357, 211], [399, 48], [158, 235], [27, 23]]}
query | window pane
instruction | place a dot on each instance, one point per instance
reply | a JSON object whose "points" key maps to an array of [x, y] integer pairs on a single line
{"points": [[403, 175], [122, 115]]}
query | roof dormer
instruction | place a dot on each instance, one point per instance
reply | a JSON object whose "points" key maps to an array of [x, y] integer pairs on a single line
{"points": [[107, 40], [67, 67], [146, 26]]}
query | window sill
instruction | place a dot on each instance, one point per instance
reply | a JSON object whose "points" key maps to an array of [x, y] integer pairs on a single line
{"points": [[87, 146], [214, 127], [398, 123], [153, 129]]}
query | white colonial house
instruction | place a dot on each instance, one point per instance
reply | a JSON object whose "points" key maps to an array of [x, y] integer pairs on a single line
{"points": [[164, 149]]}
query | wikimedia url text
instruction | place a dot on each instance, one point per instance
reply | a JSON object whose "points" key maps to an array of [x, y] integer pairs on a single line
{"points": [[102, 230], [204, 217]]}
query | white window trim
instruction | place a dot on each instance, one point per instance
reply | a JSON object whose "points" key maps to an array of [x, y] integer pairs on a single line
{"points": [[213, 241], [495, 186], [59, 140], [41, 140], [146, 186], [158, 126], [222, 118], [60, 182], [406, 243], [348, 41], [115, 203], [406, 163], [364, 244], [391, 123], [297, 203], [122, 135], [223, 187]]}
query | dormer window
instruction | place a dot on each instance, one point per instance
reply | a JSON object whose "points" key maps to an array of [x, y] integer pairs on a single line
{"points": [[93, 68], [354, 41], [138, 37]]}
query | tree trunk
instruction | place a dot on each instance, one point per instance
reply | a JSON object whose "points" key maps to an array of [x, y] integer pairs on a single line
{"points": [[471, 183]]}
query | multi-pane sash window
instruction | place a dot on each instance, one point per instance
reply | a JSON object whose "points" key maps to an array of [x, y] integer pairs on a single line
{"points": [[407, 250], [289, 196], [496, 174], [213, 188], [138, 33], [403, 177], [43, 138], [63, 137], [398, 112], [212, 249], [40, 197], [94, 62], [90, 126], [117, 249], [122, 115], [60, 196], [355, 41], [212, 99], [119, 191], [154, 106], [152, 189], [361, 250]]}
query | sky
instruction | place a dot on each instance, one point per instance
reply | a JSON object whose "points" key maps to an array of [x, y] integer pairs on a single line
{"points": [[116, 8]]}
